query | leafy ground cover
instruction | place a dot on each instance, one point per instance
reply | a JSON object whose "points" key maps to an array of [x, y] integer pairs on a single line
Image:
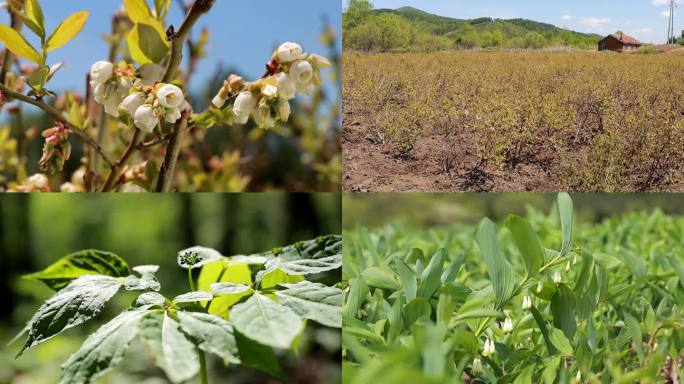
{"points": [[536, 299]]}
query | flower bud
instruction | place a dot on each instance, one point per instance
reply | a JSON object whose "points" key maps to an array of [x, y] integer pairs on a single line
{"points": [[132, 102], [507, 325], [319, 61], [289, 52], [218, 101], [244, 106], [38, 180], [578, 377], [101, 72], [477, 366], [567, 266], [282, 110], [235, 83], [287, 87], [170, 96], [123, 87], [151, 74], [172, 115], [301, 71], [263, 117], [557, 277], [527, 302], [269, 91], [540, 286], [99, 93], [145, 118], [489, 348]]}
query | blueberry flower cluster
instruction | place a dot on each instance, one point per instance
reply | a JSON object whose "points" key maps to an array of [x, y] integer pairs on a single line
{"points": [[267, 100], [123, 91]]}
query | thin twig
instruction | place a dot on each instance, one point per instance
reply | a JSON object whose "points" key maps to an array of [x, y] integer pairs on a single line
{"points": [[116, 169], [159, 140], [57, 116], [171, 157]]}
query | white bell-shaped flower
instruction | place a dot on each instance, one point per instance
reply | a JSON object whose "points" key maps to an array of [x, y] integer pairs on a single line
{"points": [[145, 118], [101, 72], [170, 96], [302, 71], [289, 52]]}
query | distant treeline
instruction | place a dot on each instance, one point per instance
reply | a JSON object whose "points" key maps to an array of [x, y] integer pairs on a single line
{"points": [[411, 30]]}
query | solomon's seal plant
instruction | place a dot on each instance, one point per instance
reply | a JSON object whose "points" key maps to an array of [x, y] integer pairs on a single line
{"points": [[444, 306], [239, 309], [141, 98]]}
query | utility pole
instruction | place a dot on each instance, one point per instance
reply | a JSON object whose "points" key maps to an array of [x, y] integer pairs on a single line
{"points": [[670, 21]]}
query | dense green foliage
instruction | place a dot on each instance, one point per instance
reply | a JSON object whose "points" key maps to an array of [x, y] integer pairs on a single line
{"points": [[243, 307], [544, 299], [409, 29]]}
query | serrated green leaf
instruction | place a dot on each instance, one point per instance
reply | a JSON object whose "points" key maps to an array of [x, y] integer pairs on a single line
{"points": [[18, 45], [67, 30], [267, 322], [528, 243], [307, 257], [560, 341], [313, 301], [103, 349], [180, 357], [78, 302], [218, 289], [150, 298], [269, 279], [211, 334], [430, 279], [77, 264], [499, 269], [565, 208], [192, 297]]}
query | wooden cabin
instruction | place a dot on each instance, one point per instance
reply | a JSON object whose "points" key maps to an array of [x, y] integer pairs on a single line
{"points": [[619, 42]]}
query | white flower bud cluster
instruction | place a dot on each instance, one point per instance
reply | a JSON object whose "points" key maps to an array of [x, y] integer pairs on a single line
{"points": [[557, 277], [267, 100], [141, 97], [477, 366], [507, 325], [489, 348], [527, 302]]}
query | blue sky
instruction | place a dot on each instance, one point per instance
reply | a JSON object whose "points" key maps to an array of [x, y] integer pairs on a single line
{"points": [[644, 19], [244, 33]]}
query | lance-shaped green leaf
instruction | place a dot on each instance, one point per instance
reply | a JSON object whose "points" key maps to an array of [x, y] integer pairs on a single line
{"points": [[195, 257], [263, 320], [355, 297], [561, 342], [103, 349], [77, 264], [528, 243], [192, 297], [36, 19], [544, 330], [313, 301], [380, 278], [562, 307], [211, 334], [78, 302], [180, 356], [499, 269], [259, 356], [430, 279], [307, 257], [635, 331], [67, 30], [17, 44], [565, 210], [408, 279]]}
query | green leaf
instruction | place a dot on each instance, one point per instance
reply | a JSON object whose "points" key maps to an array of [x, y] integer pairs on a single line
{"points": [[551, 370], [355, 298], [272, 278], [180, 356], [307, 257], [678, 266], [261, 357], [35, 14], [103, 349], [267, 322], [196, 257], [477, 314], [16, 43], [635, 331], [67, 30], [234, 281], [74, 265], [562, 307], [450, 273], [499, 269], [162, 7], [228, 288], [416, 310], [528, 243], [150, 298], [380, 278], [560, 341], [151, 335], [544, 330], [78, 302], [192, 297], [36, 80], [211, 334], [137, 10], [147, 281], [565, 210], [408, 279], [313, 301], [430, 279], [147, 43]]}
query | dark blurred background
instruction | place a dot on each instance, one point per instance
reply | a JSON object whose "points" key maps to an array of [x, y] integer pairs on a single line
{"points": [[436, 209], [38, 229]]}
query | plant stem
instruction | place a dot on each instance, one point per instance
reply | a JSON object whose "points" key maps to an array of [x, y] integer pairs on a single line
{"points": [[190, 280], [58, 117], [171, 157], [203, 367], [116, 168]]}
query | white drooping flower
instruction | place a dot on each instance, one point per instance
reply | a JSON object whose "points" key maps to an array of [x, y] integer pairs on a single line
{"points": [[578, 377], [145, 118], [68, 188], [507, 325], [319, 61], [101, 72], [151, 73], [540, 285], [289, 52], [78, 177], [99, 93], [489, 348], [287, 87], [477, 366], [557, 277], [170, 96], [38, 180], [263, 117], [283, 109], [302, 71], [527, 302], [132, 102], [218, 101], [172, 115], [269, 90], [244, 106], [111, 105], [567, 266], [185, 106]]}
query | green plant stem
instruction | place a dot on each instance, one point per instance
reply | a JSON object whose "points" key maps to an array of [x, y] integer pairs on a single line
{"points": [[203, 367], [190, 280], [58, 117]]}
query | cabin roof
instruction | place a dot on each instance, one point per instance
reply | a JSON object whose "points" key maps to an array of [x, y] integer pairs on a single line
{"points": [[625, 39]]}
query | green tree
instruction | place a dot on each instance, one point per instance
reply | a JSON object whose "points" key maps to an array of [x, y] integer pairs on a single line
{"points": [[356, 13]]}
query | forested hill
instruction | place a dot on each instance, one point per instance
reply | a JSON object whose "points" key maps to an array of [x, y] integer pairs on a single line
{"points": [[410, 29]]}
